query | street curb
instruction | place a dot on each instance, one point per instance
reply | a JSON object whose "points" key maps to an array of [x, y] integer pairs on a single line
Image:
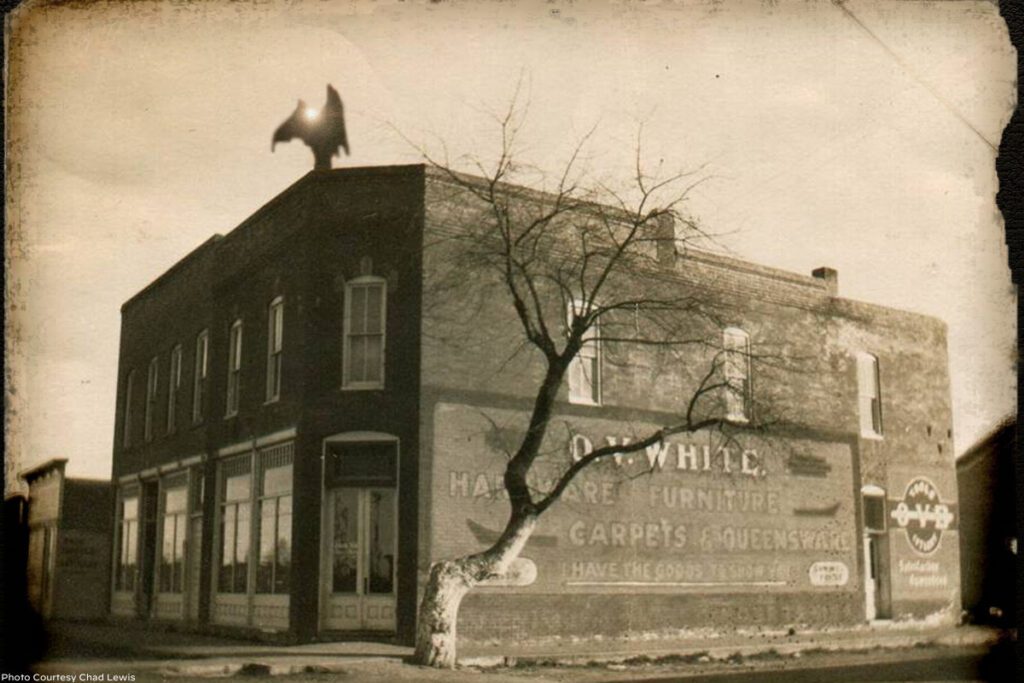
{"points": [[264, 668], [700, 652]]}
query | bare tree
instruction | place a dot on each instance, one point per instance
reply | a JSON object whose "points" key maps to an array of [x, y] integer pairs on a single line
{"points": [[579, 266]]}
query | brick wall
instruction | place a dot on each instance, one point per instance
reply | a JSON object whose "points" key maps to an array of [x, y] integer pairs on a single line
{"points": [[805, 342]]}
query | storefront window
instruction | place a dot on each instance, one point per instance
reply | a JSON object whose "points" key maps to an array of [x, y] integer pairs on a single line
{"points": [[172, 556], [126, 572], [275, 536], [236, 484]]}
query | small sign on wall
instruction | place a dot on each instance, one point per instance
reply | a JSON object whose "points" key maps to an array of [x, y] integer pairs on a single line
{"points": [[828, 574]]}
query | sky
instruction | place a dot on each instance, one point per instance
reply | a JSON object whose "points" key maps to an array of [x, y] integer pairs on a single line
{"points": [[859, 137]]}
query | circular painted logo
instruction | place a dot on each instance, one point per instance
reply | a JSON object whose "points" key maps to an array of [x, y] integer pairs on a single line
{"points": [[923, 515]]}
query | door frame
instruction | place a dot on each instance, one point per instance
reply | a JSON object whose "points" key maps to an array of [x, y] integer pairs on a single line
{"points": [[149, 530], [877, 604], [353, 438]]}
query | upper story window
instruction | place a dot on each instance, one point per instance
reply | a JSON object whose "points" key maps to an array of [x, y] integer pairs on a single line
{"points": [[585, 367], [234, 367], [126, 426], [363, 352], [870, 395], [173, 384], [199, 376], [736, 371], [151, 389], [275, 338]]}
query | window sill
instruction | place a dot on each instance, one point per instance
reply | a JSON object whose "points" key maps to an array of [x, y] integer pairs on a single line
{"points": [[362, 387], [230, 416], [584, 402], [269, 401], [871, 436]]}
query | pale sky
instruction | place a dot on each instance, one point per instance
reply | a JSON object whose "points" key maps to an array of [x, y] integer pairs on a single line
{"points": [[862, 141]]}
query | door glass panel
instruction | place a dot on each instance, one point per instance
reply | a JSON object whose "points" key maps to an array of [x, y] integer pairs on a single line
{"points": [[382, 540], [242, 548], [345, 541]]}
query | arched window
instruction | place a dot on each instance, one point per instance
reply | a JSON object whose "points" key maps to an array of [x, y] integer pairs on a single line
{"points": [[364, 335], [173, 384], [736, 370], [126, 426], [199, 376], [151, 389], [275, 344], [234, 367]]}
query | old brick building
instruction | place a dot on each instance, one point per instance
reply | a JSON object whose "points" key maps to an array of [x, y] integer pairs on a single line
{"points": [[307, 419]]}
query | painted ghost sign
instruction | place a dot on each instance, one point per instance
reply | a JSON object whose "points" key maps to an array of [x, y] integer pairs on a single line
{"points": [[923, 515], [691, 513]]}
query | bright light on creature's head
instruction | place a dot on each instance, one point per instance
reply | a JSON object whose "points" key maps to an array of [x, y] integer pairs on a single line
{"points": [[311, 113]]}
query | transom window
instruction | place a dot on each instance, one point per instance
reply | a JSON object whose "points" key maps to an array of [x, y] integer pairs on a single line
{"points": [[275, 339], [363, 353]]}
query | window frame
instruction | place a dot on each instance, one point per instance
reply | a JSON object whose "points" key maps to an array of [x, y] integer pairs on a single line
{"points": [[152, 389], [578, 364], [869, 404], [275, 348], [173, 385], [234, 385], [365, 281], [200, 369], [738, 406]]}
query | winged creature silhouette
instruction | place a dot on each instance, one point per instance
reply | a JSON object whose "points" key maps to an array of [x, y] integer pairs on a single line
{"points": [[323, 130]]}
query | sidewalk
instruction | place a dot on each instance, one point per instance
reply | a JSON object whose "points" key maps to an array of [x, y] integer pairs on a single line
{"points": [[137, 648], [707, 645], [142, 641]]}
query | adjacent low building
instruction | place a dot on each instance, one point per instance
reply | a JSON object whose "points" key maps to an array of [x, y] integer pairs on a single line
{"points": [[68, 572], [988, 539], [310, 413]]}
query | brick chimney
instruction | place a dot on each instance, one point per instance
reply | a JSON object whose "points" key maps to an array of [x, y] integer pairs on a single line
{"points": [[666, 236], [830, 277]]}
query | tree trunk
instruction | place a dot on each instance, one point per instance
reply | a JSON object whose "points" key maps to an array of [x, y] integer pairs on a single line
{"points": [[451, 580]]}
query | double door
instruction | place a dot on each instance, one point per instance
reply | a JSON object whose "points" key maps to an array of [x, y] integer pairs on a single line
{"points": [[360, 558]]}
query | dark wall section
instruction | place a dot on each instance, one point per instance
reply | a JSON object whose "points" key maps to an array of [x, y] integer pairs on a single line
{"points": [[987, 527]]}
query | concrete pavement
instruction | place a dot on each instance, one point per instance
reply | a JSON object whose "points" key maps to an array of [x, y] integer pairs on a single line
{"points": [[140, 648]]}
